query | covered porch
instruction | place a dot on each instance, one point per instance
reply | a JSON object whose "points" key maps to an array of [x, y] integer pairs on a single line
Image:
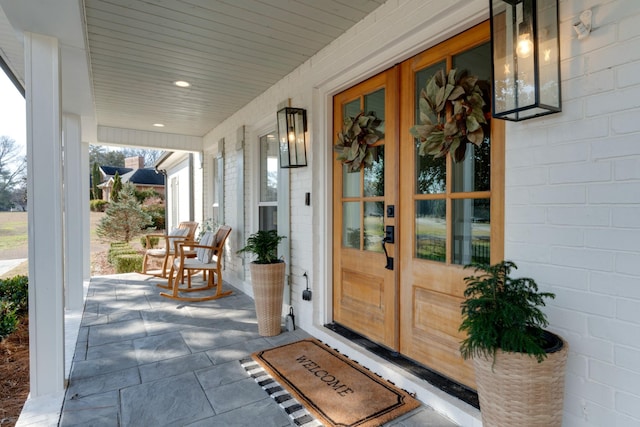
{"points": [[563, 196], [140, 359]]}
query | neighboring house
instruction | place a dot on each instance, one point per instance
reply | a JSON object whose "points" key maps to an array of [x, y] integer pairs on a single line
{"points": [[562, 198], [184, 185], [134, 173]]}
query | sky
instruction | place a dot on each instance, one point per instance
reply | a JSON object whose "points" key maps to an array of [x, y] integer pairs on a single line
{"points": [[13, 120]]}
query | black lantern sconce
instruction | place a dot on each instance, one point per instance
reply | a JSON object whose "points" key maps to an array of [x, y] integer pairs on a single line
{"points": [[526, 58], [292, 128]]}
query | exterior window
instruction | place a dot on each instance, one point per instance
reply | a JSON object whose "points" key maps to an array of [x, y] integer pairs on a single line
{"points": [[268, 204], [217, 207]]}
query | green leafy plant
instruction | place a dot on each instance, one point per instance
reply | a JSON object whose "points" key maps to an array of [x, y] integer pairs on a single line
{"points": [[98, 205], [264, 245], [153, 242], [208, 225], [501, 312], [117, 250], [16, 291], [451, 115], [8, 318], [127, 263], [355, 141]]}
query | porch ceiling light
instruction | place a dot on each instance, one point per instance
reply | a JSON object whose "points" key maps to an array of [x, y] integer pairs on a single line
{"points": [[526, 58], [292, 128]]}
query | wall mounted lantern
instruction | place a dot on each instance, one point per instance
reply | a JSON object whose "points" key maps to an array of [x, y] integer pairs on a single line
{"points": [[526, 58], [292, 128]]}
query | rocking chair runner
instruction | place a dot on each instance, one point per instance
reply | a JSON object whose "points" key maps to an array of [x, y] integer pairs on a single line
{"points": [[184, 233], [208, 260]]}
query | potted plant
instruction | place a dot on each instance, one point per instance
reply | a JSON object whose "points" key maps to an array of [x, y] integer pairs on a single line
{"points": [[267, 279], [519, 366]]}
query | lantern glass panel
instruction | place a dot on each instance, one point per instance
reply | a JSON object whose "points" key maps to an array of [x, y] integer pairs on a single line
{"points": [[526, 73], [292, 126]]}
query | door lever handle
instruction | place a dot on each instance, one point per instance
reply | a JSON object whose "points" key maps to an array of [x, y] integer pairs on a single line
{"points": [[389, 265]]}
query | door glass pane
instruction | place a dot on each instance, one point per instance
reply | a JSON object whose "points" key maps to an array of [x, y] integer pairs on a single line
{"points": [[431, 230], [375, 102], [472, 174], [373, 226], [268, 168], [350, 180], [268, 216], [351, 109], [351, 225], [430, 172], [374, 174], [350, 183], [471, 231]]}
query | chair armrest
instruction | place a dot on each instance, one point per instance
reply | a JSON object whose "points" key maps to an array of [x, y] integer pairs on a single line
{"points": [[180, 247]]}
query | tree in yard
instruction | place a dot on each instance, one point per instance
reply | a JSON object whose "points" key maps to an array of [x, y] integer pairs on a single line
{"points": [[100, 155], [117, 187], [96, 192], [150, 156], [12, 168], [124, 219]]}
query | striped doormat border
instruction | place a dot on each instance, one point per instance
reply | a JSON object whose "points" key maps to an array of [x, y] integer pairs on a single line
{"points": [[298, 414]]}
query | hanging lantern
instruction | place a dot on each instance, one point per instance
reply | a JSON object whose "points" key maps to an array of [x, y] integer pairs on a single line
{"points": [[526, 58], [292, 128]]}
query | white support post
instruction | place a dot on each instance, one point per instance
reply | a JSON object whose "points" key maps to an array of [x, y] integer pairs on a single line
{"points": [[74, 176], [44, 186], [85, 170]]}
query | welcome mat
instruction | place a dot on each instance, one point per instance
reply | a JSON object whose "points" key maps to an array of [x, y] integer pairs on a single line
{"points": [[334, 389]]}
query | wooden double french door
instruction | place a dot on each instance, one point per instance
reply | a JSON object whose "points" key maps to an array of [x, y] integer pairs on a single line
{"points": [[440, 214]]}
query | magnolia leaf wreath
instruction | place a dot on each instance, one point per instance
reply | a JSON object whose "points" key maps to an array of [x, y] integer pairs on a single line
{"points": [[450, 115], [355, 141]]}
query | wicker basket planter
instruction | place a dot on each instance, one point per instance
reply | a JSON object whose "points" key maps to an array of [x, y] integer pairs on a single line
{"points": [[519, 391], [268, 288]]}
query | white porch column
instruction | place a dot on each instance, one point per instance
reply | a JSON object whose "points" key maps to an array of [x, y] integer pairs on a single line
{"points": [[85, 170], [74, 227], [44, 186]]}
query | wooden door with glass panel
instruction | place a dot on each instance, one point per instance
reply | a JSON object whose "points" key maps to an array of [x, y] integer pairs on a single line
{"points": [[450, 212], [364, 291]]}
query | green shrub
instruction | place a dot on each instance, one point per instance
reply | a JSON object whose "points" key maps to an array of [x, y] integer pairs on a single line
{"points": [[8, 318], [16, 291], [157, 213], [148, 193], [98, 205], [128, 263], [117, 249], [153, 241]]}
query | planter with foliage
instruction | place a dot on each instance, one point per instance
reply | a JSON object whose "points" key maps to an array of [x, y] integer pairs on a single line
{"points": [[267, 279], [519, 366]]}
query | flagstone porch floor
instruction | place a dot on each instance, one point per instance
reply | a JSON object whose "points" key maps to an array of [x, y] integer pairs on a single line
{"points": [[144, 360]]}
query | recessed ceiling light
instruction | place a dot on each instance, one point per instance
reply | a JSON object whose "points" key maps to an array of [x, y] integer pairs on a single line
{"points": [[182, 83], [159, 125]]}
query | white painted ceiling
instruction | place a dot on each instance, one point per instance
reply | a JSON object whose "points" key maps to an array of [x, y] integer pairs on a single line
{"points": [[229, 50]]}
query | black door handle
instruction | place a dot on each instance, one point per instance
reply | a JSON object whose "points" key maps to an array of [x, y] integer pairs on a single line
{"points": [[389, 265]]}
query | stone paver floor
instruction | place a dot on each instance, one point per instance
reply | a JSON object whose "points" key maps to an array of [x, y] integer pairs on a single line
{"points": [[145, 360]]}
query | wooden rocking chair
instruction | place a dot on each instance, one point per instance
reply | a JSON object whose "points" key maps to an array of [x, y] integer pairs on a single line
{"points": [[184, 233], [208, 260]]}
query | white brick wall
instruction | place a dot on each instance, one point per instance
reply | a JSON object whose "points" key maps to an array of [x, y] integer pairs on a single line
{"points": [[590, 202], [572, 186]]}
